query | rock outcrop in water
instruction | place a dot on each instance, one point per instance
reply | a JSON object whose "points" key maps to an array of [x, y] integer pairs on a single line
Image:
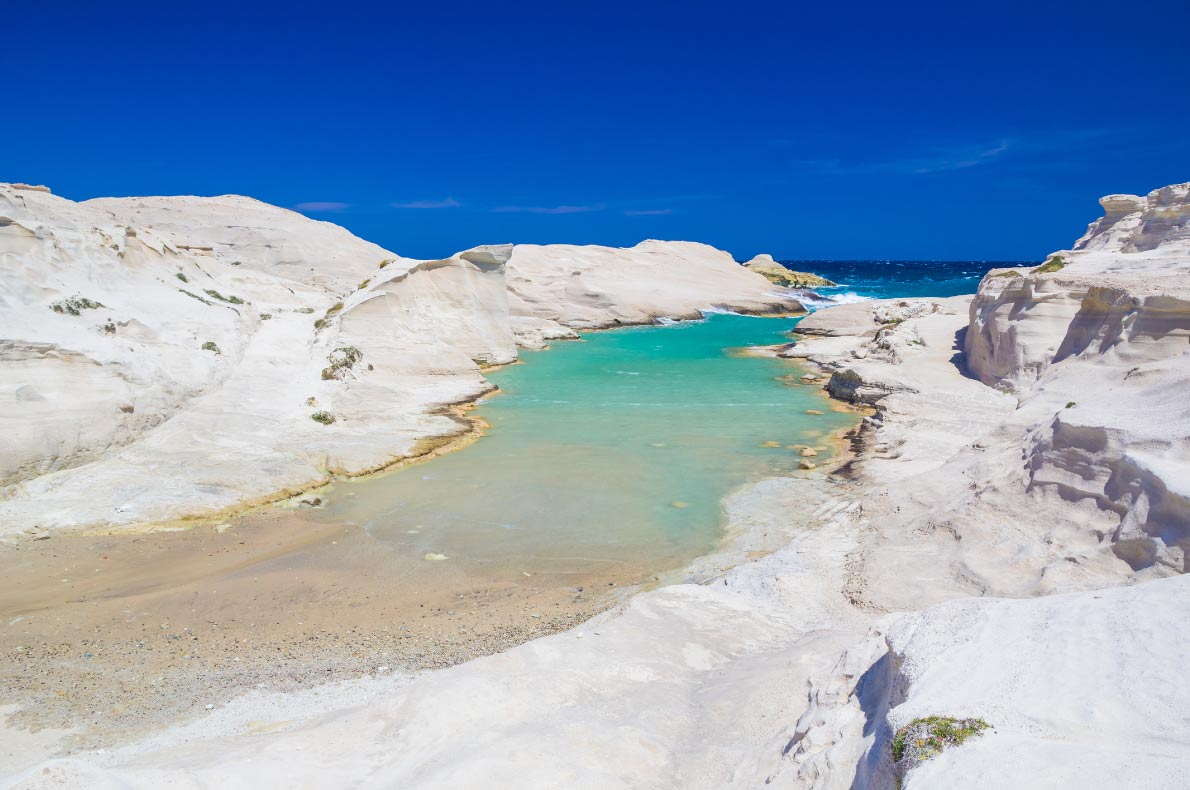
{"points": [[174, 356], [558, 288], [774, 272]]}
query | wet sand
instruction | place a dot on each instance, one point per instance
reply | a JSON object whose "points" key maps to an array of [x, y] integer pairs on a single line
{"points": [[116, 635]]}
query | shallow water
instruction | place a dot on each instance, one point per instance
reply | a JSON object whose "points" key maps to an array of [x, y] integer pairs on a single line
{"points": [[615, 449]]}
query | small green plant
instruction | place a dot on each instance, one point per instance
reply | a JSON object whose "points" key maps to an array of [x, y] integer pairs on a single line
{"points": [[324, 417], [306, 310], [74, 305], [1007, 273], [194, 296], [229, 299], [325, 321], [364, 284], [383, 264], [109, 327], [1071, 405], [342, 360], [266, 316], [1053, 264], [182, 277], [210, 346], [921, 739]]}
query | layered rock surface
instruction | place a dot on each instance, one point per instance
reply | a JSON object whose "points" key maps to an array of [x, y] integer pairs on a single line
{"points": [[794, 670], [164, 357]]}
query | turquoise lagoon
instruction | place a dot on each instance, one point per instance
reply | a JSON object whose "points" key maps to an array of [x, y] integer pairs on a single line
{"points": [[616, 449]]}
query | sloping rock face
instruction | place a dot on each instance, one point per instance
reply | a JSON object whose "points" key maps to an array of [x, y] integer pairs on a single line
{"points": [[1079, 688], [765, 266], [168, 357], [592, 287], [1110, 315], [163, 357], [676, 689]]}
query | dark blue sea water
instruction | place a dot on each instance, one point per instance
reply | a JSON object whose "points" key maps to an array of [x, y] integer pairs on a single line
{"points": [[890, 279]]}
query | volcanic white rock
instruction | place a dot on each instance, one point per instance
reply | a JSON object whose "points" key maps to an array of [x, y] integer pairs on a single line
{"points": [[1026, 442], [168, 357]]}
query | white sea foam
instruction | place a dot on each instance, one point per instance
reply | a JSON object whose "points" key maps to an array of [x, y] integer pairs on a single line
{"points": [[815, 299]]}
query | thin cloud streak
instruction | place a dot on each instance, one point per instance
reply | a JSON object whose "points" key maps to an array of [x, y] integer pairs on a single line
{"points": [[939, 161], [1031, 149], [322, 206], [546, 209], [649, 212], [428, 204]]}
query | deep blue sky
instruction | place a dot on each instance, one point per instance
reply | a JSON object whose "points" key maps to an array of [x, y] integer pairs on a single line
{"points": [[870, 130]]}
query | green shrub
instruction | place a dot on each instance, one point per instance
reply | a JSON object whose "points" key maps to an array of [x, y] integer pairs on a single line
{"points": [[229, 299], [1053, 264], [325, 321], [364, 284], [182, 277], [74, 305], [324, 417], [1071, 405], [924, 738], [306, 310], [1007, 273], [342, 360], [194, 296], [210, 346], [383, 264], [266, 316]]}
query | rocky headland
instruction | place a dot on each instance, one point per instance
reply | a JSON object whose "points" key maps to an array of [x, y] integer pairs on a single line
{"points": [[1001, 562], [172, 358]]}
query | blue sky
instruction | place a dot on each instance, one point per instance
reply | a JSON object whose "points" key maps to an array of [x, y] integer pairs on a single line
{"points": [[882, 130]]}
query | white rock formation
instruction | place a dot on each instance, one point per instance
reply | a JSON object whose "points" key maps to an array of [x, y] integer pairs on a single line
{"points": [[203, 335], [596, 287], [794, 670]]}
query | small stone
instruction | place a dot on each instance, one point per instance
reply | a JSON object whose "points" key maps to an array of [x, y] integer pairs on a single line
{"points": [[807, 452], [432, 557], [806, 465], [679, 504], [772, 443], [814, 411]]}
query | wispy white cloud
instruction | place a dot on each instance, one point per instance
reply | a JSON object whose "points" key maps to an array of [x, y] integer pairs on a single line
{"points": [[1042, 148], [547, 209], [322, 206], [648, 212], [448, 203], [938, 160], [962, 158]]}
